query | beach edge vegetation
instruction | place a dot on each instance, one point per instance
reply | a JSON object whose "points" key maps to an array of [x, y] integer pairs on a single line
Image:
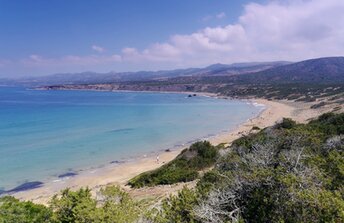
{"points": [[184, 168]]}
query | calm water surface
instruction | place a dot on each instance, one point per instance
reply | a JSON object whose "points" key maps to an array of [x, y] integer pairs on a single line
{"points": [[47, 133]]}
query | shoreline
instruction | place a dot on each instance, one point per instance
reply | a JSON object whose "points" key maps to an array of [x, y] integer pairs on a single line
{"points": [[120, 172], [27, 185], [204, 94]]}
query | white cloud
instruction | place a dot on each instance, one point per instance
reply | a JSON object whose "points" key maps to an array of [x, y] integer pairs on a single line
{"points": [[221, 15], [278, 30], [207, 18], [37, 60], [98, 49]]}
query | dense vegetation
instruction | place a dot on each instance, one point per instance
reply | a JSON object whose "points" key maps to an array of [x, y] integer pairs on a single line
{"points": [[112, 205], [308, 92], [183, 168], [286, 173]]}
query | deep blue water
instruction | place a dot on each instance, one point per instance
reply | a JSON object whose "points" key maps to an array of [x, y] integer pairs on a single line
{"points": [[47, 133]]}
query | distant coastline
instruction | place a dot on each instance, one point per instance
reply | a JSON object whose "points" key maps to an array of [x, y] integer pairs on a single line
{"points": [[95, 88]]}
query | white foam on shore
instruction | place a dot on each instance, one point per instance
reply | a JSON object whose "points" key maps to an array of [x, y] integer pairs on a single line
{"points": [[257, 104]]}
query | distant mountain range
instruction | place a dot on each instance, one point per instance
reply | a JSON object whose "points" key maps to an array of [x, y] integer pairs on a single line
{"points": [[111, 77], [321, 70]]}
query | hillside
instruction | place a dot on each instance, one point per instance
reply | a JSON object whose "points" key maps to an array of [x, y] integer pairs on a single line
{"points": [[315, 71], [322, 70], [184, 168]]}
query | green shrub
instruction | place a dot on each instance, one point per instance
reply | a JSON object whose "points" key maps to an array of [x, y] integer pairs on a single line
{"points": [[288, 173], [12, 211], [74, 206], [183, 168], [330, 124], [178, 208], [114, 205], [254, 128], [286, 123], [118, 206]]}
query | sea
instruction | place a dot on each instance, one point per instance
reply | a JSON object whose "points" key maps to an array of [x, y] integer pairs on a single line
{"points": [[44, 134]]}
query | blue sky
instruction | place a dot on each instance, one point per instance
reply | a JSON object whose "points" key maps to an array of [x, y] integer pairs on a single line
{"points": [[43, 37]]}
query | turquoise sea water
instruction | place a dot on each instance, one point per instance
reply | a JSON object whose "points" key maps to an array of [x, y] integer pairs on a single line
{"points": [[47, 133]]}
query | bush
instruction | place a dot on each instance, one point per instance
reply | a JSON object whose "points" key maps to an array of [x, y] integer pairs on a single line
{"points": [[12, 211], [76, 206], [178, 208], [114, 205], [289, 173], [330, 124], [286, 123], [183, 168], [255, 128]]}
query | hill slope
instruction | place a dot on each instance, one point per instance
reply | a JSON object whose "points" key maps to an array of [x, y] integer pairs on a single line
{"points": [[323, 70]]}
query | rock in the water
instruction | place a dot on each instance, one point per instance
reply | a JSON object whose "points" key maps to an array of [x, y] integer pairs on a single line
{"points": [[68, 174], [25, 186]]}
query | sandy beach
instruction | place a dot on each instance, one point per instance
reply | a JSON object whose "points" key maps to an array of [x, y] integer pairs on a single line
{"points": [[120, 173]]}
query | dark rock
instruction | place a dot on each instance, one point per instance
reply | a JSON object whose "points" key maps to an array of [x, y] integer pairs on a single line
{"points": [[25, 186], [122, 130], [116, 162], [68, 174]]}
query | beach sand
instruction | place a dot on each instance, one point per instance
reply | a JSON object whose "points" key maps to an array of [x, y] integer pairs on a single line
{"points": [[119, 174]]}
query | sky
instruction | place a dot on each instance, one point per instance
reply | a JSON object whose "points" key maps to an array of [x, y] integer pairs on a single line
{"points": [[64, 36]]}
